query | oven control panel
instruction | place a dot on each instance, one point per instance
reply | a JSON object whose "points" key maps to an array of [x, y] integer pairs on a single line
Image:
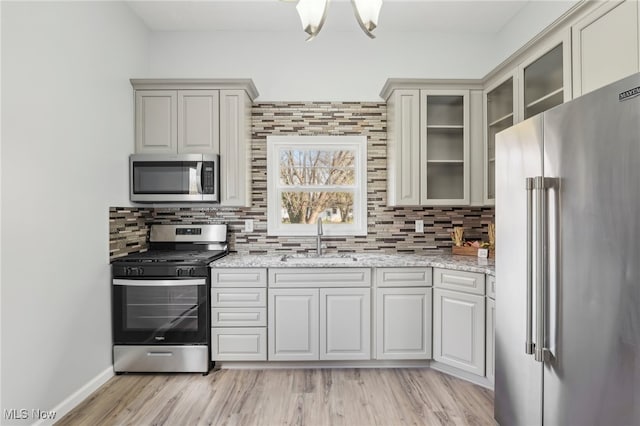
{"points": [[159, 270], [186, 271], [134, 271]]}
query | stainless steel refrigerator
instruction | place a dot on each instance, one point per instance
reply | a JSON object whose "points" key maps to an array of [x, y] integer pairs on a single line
{"points": [[568, 263]]}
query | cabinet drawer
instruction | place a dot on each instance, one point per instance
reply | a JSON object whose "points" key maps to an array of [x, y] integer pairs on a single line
{"points": [[240, 277], [319, 277], [239, 344], [491, 286], [403, 277], [238, 317], [238, 297], [469, 282]]}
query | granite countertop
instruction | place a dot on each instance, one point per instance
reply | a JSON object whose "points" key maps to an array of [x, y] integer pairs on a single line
{"points": [[363, 260]]}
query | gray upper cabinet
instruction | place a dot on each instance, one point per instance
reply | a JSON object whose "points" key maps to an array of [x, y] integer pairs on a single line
{"points": [[500, 113], [403, 148], [198, 121], [235, 147], [156, 121], [545, 76], [429, 142], [444, 147], [177, 121], [606, 46], [177, 116]]}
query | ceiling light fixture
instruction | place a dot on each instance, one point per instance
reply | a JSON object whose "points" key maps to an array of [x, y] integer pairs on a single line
{"points": [[312, 15], [314, 12], [367, 12]]}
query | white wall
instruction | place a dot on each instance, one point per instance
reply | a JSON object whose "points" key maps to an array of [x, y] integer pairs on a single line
{"points": [[345, 66], [533, 18], [67, 130], [342, 66]]}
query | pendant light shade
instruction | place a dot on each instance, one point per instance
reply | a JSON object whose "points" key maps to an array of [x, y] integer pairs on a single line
{"points": [[314, 12], [312, 15], [367, 12]]}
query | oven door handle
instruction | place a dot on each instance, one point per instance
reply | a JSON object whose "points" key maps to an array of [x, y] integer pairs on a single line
{"points": [[159, 283]]}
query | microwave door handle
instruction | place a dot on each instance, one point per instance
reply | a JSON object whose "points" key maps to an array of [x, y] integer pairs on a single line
{"points": [[199, 177]]}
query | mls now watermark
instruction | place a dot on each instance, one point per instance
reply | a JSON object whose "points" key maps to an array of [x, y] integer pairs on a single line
{"points": [[26, 414]]}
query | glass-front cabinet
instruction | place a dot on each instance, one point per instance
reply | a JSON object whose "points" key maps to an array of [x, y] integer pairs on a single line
{"points": [[441, 133], [444, 147], [428, 145], [541, 81], [545, 77], [543, 85], [500, 115]]}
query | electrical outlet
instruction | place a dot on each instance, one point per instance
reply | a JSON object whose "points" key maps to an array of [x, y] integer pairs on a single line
{"points": [[248, 225], [419, 225]]}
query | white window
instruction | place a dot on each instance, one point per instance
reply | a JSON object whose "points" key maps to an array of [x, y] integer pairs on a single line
{"points": [[317, 177]]}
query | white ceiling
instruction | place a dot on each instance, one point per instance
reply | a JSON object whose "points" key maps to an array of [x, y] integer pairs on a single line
{"points": [[457, 16]]}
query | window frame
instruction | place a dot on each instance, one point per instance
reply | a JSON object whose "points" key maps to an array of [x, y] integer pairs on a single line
{"points": [[357, 144]]}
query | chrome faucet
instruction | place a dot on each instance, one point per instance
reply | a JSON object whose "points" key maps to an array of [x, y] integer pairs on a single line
{"points": [[319, 237]]}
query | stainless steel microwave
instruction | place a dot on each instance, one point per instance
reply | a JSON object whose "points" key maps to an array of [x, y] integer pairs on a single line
{"points": [[159, 178]]}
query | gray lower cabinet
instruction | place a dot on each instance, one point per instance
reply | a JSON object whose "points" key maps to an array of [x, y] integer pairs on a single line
{"points": [[459, 320], [238, 314], [311, 314], [345, 323], [309, 322], [403, 313], [491, 329], [293, 324]]}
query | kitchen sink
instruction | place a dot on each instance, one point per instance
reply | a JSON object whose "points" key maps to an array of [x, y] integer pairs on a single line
{"points": [[303, 259]]}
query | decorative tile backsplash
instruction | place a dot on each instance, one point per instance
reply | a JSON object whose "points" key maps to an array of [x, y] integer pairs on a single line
{"points": [[128, 230], [390, 229]]}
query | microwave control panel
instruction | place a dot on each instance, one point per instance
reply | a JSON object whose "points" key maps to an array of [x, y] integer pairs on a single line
{"points": [[208, 178]]}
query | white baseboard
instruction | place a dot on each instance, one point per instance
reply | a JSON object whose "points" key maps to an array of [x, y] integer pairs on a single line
{"points": [[272, 365], [78, 396]]}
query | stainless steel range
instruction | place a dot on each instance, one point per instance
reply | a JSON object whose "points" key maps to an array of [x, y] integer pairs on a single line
{"points": [[161, 300]]}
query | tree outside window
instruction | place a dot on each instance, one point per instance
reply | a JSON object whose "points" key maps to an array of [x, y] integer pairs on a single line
{"points": [[316, 177]]}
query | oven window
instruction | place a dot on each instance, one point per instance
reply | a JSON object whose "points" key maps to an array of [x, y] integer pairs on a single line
{"points": [[165, 177], [161, 308], [160, 314]]}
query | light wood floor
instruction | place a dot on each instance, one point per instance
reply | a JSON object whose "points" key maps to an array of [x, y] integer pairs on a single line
{"points": [[287, 397]]}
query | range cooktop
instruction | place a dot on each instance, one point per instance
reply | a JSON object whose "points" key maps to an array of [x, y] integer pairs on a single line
{"points": [[173, 256]]}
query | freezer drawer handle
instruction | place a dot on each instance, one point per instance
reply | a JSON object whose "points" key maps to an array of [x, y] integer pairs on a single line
{"points": [[529, 345]]}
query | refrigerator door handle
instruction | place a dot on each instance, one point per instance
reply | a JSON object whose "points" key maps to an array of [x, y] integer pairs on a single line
{"points": [[529, 345], [540, 237], [541, 185], [552, 261]]}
